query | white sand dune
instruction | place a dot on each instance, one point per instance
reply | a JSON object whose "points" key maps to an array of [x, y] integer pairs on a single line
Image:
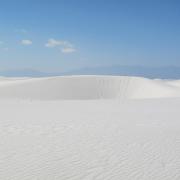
{"points": [[93, 135], [87, 87]]}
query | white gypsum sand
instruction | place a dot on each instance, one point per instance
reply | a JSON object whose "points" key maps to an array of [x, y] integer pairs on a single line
{"points": [[89, 127], [87, 87]]}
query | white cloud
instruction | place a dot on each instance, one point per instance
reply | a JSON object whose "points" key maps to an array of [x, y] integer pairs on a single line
{"points": [[1, 42], [66, 46], [67, 50], [26, 42], [53, 43]]}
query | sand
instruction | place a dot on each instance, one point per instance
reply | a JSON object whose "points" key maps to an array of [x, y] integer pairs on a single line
{"points": [[89, 128]]}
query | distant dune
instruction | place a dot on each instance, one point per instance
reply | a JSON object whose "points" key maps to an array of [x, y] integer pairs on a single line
{"points": [[87, 87]]}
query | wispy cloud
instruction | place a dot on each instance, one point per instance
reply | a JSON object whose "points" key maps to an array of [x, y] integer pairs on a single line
{"points": [[65, 46], [1, 42], [26, 42], [68, 50], [53, 43]]}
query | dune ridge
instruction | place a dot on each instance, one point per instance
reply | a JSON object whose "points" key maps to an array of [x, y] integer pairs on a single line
{"points": [[87, 87]]}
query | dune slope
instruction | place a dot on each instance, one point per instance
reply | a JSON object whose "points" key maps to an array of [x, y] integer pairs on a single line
{"points": [[87, 87]]}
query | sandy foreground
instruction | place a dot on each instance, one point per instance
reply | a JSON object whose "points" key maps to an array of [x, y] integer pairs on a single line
{"points": [[89, 128]]}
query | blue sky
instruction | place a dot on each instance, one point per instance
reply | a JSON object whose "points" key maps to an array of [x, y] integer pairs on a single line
{"points": [[60, 35]]}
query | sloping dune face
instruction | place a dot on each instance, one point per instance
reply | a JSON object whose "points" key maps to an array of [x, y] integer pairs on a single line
{"points": [[87, 87]]}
